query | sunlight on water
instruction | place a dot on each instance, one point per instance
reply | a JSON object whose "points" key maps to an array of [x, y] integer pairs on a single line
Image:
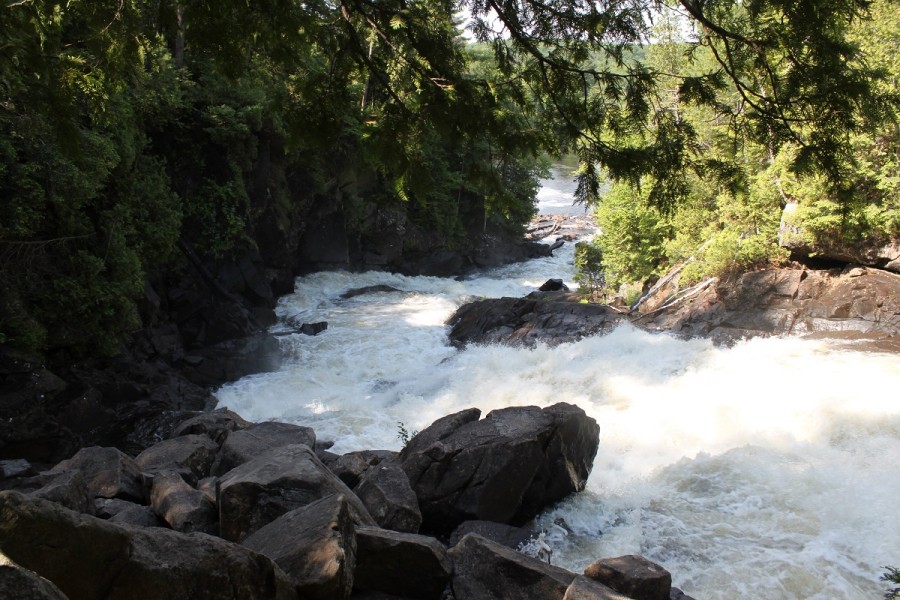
{"points": [[766, 470]]}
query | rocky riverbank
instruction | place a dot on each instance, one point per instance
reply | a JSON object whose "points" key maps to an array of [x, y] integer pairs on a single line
{"points": [[228, 509], [855, 304]]}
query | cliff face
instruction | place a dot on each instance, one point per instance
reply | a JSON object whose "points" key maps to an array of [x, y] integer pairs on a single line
{"points": [[203, 320]]}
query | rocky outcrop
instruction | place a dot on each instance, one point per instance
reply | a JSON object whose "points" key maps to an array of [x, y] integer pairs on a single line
{"points": [[505, 468], [302, 532], [247, 444], [549, 319], [484, 569], [855, 302], [90, 558]]}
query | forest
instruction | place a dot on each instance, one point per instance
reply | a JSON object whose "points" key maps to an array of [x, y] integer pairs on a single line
{"points": [[133, 130]]}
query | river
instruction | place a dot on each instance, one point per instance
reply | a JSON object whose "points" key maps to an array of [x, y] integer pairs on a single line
{"points": [[767, 470]]}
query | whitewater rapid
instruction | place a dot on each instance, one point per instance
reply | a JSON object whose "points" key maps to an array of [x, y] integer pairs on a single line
{"points": [[765, 470]]}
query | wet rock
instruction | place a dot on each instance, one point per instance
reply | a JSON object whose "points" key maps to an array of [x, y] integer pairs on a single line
{"points": [[312, 328], [485, 570], [584, 588], [191, 455], [554, 285], [21, 584], [402, 564], [258, 492], [507, 535], [369, 289], [182, 507], [216, 425], [527, 321], [87, 557], [505, 468], [108, 473], [385, 491], [246, 444], [315, 545], [632, 575]]}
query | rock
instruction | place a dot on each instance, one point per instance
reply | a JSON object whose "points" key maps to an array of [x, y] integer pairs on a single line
{"points": [[633, 576], [350, 467], [216, 425], [402, 564], [191, 455], [68, 489], [506, 535], [21, 584], [138, 516], [505, 468], [527, 321], [181, 506], [233, 358], [843, 305], [312, 328], [315, 545], [87, 557], [10, 469], [369, 289], [677, 594], [384, 489], [258, 492], [107, 508], [554, 285], [247, 444], [484, 570], [108, 473], [584, 588]]}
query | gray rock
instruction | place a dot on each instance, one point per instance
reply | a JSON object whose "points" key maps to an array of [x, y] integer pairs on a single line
{"points": [[584, 588], [108, 473], [87, 557], [107, 508], [485, 570], [507, 535], [181, 506], [192, 455], [68, 489], [505, 468], [349, 467], [633, 576], [258, 492], [315, 545], [385, 491], [15, 468], [216, 425], [247, 444], [138, 516], [17, 583], [402, 564]]}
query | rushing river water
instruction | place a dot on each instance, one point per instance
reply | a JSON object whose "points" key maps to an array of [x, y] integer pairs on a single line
{"points": [[767, 470]]}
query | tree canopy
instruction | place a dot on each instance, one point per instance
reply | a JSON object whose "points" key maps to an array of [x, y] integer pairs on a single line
{"points": [[129, 124]]}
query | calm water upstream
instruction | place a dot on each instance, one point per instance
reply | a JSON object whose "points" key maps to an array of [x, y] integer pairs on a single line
{"points": [[767, 470]]}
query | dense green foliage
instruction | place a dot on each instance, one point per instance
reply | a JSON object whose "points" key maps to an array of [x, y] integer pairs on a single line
{"points": [[127, 126], [727, 220]]}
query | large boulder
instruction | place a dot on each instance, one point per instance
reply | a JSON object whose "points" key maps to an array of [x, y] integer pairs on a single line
{"points": [[191, 455], [507, 535], [108, 473], [350, 467], [216, 424], [633, 576], [585, 588], [246, 444], [401, 564], [315, 545], [90, 558], [484, 570], [258, 492], [386, 492], [182, 507], [527, 321], [506, 467], [21, 584]]}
